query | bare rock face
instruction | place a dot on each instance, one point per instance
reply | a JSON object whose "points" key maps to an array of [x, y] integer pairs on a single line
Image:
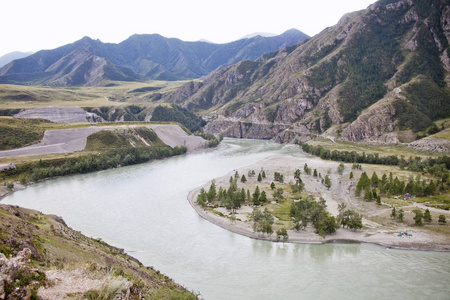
{"points": [[376, 121]]}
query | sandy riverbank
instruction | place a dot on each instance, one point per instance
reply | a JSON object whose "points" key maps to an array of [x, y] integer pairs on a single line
{"points": [[379, 228]]}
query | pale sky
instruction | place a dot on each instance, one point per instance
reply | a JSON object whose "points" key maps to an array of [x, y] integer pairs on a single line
{"points": [[32, 25]]}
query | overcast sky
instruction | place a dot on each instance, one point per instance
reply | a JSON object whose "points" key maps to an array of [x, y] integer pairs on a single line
{"points": [[32, 25]]}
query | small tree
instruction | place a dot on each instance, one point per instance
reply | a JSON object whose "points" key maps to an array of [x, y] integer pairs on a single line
{"points": [[10, 186], [212, 191], [262, 221], [315, 173], [259, 177], [202, 198], [401, 215], [278, 194], [282, 234], [272, 186], [442, 219], [418, 216], [307, 169], [394, 213], [327, 182], [374, 180], [263, 197], [341, 169], [351, 175], [263, 173], [427, 216], [256, 196], [243, 178]]}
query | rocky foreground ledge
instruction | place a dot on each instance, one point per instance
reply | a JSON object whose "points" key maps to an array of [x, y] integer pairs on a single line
{"points": [[42, 258]]}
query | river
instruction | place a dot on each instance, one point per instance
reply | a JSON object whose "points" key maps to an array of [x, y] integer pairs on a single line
{"points": [[144, 209]]}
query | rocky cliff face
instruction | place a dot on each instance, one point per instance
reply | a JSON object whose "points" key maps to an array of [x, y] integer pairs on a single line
{"points": [[353, 75]]}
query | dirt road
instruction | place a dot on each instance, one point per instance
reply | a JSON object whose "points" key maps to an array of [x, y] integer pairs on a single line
{"points": [[71, 140]]}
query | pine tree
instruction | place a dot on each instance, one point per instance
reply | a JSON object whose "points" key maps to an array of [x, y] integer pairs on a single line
{"points": [[315, 173], [427, 216], [256, 197], [212, 191], [340, 169], [263, 197], [243, 179], [418, 216], [259, 177], [367, 193], [374, 180], [394, 213], [327, 182]]}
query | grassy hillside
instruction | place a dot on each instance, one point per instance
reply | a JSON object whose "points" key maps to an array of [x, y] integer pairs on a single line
{"points": [[116, 93], [54, 246], [121, 138], [16, 133]]}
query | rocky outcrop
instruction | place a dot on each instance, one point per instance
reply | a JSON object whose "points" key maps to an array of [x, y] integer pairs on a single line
{"points": [[17, 277], [373, 123]]}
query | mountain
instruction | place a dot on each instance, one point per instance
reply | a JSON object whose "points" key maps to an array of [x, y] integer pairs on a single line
{"points": [[380, 74], [7, 58], [149, 56], [266, 34]]}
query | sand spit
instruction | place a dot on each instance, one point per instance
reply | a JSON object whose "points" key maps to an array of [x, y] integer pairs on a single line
{"points": [[383, 232]]}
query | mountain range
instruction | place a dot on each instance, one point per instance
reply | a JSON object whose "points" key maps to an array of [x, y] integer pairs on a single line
{"points": [[7, 58], [148, 56], [380, 74]]}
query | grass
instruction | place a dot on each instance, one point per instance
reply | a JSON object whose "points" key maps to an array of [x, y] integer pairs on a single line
{"points": [[281, 210], [122, 138], [16, 133], [445, 134], [118, 93]]}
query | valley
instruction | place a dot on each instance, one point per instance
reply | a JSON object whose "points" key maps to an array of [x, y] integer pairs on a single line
{"points": [[311, 153]]}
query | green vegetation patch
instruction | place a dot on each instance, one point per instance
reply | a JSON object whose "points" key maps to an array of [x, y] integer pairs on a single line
{"points": [[18, 132], [176, 113], [428, 98], [122, 138]]}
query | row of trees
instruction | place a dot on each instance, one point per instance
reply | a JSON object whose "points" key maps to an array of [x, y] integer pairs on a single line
{"points": [[393, 186], [412, 164], [90, 163], [419, 216]]}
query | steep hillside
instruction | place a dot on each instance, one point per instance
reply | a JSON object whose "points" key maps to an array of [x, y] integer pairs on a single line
{"points": [[375, 73], [150, 56], [55, 262]]}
